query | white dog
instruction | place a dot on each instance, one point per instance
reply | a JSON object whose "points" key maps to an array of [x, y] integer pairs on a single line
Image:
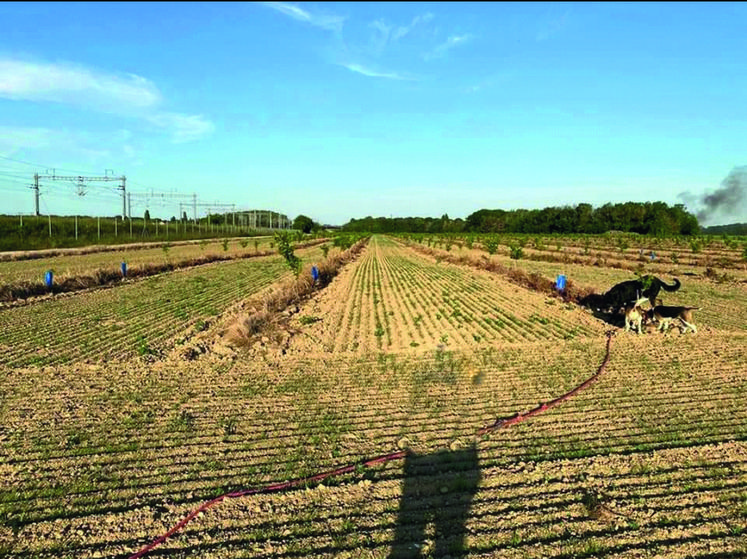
{"points": [[634, 314]]}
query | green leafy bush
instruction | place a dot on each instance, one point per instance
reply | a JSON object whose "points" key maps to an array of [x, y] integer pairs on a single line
{"points": [[695, 245], [516, 251], [491, 245], [285, 248]]}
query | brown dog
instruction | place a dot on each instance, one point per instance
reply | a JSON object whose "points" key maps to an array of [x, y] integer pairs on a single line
{"points": [[634, 315], [665, 315]]}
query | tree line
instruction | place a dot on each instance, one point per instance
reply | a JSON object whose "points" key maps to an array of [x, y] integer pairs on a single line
{"points": [[645, 218], [730, 229]]}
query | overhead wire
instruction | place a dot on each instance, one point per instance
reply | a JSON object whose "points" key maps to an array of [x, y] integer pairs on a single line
{"points": [[42, 166], [104, 191]]}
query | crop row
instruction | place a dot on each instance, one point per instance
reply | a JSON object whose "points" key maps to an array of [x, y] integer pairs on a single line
{"points": [[76, 265], [112, 456], [629, 245], [133, 319], [394, 300], [723, 305], [707, 264]]}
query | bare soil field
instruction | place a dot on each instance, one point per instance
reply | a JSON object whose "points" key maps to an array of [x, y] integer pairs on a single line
{"points": [[99, 459]]}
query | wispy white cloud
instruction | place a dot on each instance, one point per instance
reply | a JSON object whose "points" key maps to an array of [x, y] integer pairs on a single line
{"points": [[403, 30], [450, 43], [80, 145], [184, 128], [384, 39], [127, 95], [380, 37], [371, 73], [13, 138], [328, 22], [357, 55], [70, 84], [386, 34]]}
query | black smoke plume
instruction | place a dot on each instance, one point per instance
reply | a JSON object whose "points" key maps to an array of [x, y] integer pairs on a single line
{"points": [[729, 198]]}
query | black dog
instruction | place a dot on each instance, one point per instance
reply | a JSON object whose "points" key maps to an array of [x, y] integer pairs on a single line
{"points": [[631, 290]]}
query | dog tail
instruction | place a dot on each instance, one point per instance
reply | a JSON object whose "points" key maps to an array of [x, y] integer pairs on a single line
{"points": [[670, 288]]}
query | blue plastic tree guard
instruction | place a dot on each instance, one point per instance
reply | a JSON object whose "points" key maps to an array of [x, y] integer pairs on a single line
{"points": [[560, 283]]}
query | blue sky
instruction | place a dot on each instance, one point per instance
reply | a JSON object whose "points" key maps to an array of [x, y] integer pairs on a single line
{"points": [[341, 110]]}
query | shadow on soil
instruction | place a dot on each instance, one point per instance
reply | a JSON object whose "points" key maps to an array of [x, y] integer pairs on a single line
{"points": [[436, 498], [601, 309]]}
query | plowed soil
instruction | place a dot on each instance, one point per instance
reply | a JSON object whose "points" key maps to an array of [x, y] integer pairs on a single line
{"points": [[97, 460], [394, 300]]}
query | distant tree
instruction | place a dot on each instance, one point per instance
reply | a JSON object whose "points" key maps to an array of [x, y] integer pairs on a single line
{"points": [[303, 223], [649, 218], [147, 215], [184, 216], [584, 213]]}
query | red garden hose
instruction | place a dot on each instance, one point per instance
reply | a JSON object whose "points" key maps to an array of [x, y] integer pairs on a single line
{"points": [[500, 423]]}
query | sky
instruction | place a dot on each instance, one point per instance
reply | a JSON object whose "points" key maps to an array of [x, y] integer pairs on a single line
{"points": [[345, 110]]}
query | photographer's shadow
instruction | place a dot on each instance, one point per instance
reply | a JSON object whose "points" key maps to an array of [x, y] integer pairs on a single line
{"points": [[436, 499]]}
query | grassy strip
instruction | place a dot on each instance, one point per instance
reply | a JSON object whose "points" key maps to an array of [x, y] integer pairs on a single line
{"points": [[242, 332], [107, 276], [531, 280], [13, 256], [641, 264]]}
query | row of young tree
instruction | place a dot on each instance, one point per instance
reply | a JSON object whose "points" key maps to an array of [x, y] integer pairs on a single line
{"points": [[646, 218]]}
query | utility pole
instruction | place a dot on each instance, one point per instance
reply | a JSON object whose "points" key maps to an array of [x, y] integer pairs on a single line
{"points": [[123, 188], [80, 180], [194, 205], [36, 194]]}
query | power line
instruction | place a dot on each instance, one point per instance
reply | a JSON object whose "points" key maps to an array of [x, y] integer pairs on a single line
{"points": [[42, 166], [44, 185]]}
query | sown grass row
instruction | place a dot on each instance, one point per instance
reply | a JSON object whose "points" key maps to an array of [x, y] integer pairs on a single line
{"points": [[396, 300], [116, 451], [723, 305], [548, 518], [731, 261], [131, 319], [627, 245], [75, 265], [499, 311]]}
